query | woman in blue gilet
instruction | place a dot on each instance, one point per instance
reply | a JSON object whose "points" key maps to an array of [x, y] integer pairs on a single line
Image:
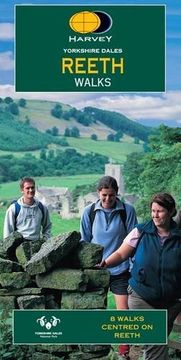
{"points": [[155, 281]]}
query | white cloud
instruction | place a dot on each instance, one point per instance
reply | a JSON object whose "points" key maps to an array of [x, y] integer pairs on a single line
{"points": [[164, 106], [137, 106], [6, 61], [6, 31]]}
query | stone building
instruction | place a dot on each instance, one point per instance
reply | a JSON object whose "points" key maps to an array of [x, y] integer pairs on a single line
{"points": [[116, 171], [57, 199]]}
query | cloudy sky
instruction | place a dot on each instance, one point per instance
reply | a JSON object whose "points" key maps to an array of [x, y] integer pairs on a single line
{"points": [[137, 106]]}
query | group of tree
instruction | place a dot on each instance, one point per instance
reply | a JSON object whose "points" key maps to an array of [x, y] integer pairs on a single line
{"points": [[115, 137], [50, 163], [11, 105], [57, 111], [72, 131], [89, 115], [80, 116], [157, 170], [119, 123]]}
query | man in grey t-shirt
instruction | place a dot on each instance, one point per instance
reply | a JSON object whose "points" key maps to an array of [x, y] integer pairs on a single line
{"points": [[32, 219]]}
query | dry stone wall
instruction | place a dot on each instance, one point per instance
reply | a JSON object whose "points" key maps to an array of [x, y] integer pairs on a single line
{"points": [[57, 274]]}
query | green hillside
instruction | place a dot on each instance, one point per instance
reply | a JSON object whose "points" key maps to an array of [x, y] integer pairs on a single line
{"points": [[24, 125], [44, 138], [119, 122], [20, 136], [42, 116], [38, 114], [115, 151]]}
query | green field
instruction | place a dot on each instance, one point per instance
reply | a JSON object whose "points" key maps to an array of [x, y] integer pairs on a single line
{"points": [[116, 151], [20, 154], [9, 191]]}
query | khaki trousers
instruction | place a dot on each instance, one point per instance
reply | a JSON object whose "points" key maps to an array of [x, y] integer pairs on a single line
{"points": [[154, 352]]}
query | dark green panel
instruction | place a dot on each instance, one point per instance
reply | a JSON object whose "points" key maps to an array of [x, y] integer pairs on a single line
{"points": [[90, 326], [137, 36]]}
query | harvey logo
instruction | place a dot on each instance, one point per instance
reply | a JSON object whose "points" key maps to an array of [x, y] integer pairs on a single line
{"points": [[95, 22]]}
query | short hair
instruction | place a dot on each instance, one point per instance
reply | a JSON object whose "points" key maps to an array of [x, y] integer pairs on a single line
{"points": [[107, 182], [166, 201], [26, 179]]}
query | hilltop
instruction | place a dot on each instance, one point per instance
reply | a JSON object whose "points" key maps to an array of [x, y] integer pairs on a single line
{"points": [[41, 123], [43, 138]]}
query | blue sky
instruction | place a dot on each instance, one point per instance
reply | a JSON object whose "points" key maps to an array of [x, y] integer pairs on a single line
{"points": [[138, 106]]}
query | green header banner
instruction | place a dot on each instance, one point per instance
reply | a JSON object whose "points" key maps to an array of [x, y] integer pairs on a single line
{"points": [[90, 48], [89, 327]]}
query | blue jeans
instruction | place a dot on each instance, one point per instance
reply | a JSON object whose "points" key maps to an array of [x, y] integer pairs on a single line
{"points": [[154, 352]]}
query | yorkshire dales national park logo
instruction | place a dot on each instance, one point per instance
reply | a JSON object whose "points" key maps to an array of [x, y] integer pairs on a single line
{"points": [[48, 324], [95, 22]]}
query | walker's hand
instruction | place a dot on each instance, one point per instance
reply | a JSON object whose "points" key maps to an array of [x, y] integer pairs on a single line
{"points": [[103, 264]]}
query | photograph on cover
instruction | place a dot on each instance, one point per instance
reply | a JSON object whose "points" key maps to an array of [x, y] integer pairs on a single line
{"points": [[90, 219]]}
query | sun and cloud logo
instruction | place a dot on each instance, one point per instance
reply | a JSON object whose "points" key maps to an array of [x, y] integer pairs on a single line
{"points": [[95, 22]]}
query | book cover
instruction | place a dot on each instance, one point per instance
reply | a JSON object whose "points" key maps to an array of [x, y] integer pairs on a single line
{"points": [[79, 60]]}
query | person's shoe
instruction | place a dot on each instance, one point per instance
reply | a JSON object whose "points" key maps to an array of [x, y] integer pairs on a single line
{"points": [[124, 356]]}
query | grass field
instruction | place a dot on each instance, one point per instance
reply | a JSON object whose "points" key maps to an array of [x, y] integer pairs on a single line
{"points": [[117, 151], [20, 154], [11, 190]]}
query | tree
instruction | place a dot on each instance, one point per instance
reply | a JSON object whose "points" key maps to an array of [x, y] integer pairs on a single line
{"points": [[8, 100], [51, 155], [67, 132], [27, 120], [66, 115], [116, 137], [94, 137], [119, 135], [13, 107], [55, 131], [22, 103], [57, 111], [136, 140], [169, 135], [133, 168], [63, 141], [75, 132], [83, 118], [49, 131], [157, 170], [110, 137], [43, 154]]}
